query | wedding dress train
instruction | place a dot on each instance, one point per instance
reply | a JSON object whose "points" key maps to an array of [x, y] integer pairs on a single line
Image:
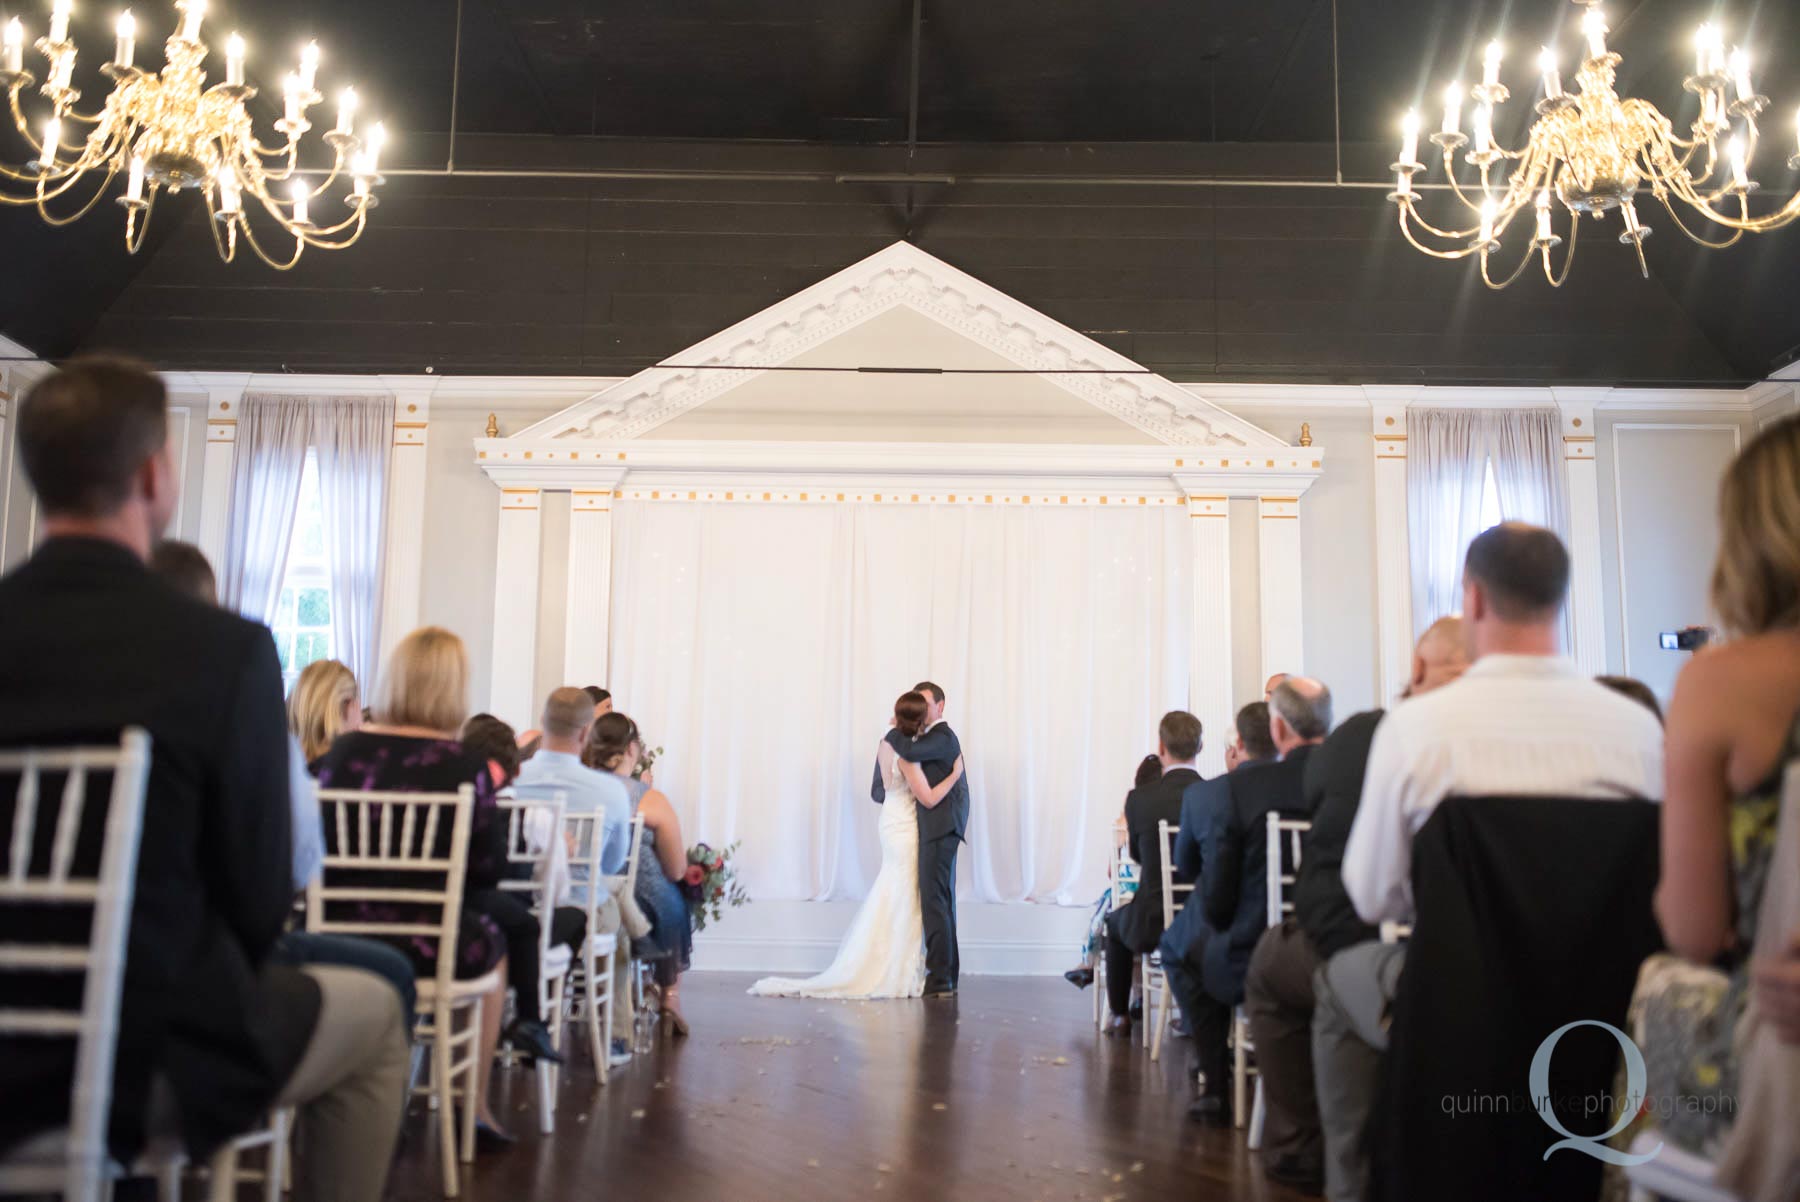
{"points": [[883, 953]]}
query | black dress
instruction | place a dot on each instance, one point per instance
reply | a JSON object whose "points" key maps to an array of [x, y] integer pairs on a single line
{"points": [[414, 764]]}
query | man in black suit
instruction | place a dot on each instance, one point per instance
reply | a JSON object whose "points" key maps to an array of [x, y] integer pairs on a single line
{"points": [[1206, 956], [212, 1033], [942, 829], [1133, 929], [1278, 992]]}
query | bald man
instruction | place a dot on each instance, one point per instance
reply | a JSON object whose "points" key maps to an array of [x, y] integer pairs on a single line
{"points": [[1278, 992]]}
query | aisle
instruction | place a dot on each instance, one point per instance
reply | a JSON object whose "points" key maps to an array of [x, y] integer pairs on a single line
{"points": [[1004, 1094]]}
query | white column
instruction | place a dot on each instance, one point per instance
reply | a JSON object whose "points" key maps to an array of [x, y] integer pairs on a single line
{"points": [[404, 540], [1587, 620], [516, 607], [590, 586], [1209, 645], [1283, 644], [1393, 553], [222, 406]]}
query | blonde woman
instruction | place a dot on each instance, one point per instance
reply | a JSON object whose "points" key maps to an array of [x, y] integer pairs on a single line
{"points": [[410, 746], [1732, 726], [325, 703]]}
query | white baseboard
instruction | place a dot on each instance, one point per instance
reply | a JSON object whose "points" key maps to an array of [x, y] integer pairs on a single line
{"points": [[802, 937]]}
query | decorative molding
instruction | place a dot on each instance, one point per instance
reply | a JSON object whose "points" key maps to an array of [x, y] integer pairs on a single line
{"points": [[516, 571], [403, 536], [1587, 605], [1209, 637], [1393, 543], [223, 397], [902, 275]]}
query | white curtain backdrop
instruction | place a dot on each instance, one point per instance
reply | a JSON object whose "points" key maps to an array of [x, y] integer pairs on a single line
{"points": [[353, 437], [762, 646], [1447, 458], [272, 433]]}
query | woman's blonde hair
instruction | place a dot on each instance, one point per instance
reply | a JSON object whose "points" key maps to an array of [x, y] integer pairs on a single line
{"points": [[425, 682], [316, 706], [1756, 578]]}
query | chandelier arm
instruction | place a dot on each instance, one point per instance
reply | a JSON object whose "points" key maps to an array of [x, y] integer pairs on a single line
{"points": [[1509, 280], [320, 238], [18, 115], [250, 237], [1455, 187], [1556, 280], [1675, 216], [93, 200], [1754, 225], [1409, 209], [226, 253], [1406, 230], [132, 245]]}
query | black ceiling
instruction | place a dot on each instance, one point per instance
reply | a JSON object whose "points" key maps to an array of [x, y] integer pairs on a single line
{"points": [[1200, 87]]}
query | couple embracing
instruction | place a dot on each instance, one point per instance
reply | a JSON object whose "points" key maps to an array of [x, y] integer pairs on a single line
{"points": [[902, 942]]}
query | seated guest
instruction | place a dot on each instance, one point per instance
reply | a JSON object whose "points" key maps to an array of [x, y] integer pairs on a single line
{"points": [[1637, 690], [1522, 721], [1207, 952], [603, 700], [1251, 743], [615, 746], [1133, 929], [1734, 727], [568, 721], [488, 737], [92, 643], [324, 704], [411, 747], [1149, 768], [1278, 990]]}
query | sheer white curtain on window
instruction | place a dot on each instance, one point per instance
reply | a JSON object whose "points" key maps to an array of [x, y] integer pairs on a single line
{"points": [[762, 646], [1446, 464], [1449, 454], [353, 437], [272, 436]]}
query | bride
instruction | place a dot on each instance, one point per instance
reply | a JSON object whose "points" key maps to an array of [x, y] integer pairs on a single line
{"points": [[883, 953]]}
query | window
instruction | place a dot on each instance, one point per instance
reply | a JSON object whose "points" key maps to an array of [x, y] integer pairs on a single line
{"points": [[303, 614]]}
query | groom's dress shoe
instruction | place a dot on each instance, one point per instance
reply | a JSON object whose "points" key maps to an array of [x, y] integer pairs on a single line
{"points": [[938, 995]]}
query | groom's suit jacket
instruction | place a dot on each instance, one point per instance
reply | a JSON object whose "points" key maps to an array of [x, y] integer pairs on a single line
{"points": [[935, 752]]}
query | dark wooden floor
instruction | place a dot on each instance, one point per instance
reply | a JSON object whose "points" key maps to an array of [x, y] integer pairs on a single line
{"points": [[1004, 1094]]}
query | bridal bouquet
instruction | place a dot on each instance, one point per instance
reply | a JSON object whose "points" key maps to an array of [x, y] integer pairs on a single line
{"points": [[710, 884]]}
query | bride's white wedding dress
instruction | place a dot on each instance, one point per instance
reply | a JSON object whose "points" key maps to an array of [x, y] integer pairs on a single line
{"points": [[883, 953]]}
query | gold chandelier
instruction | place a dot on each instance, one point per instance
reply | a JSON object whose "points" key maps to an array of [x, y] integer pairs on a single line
{"points": [[1593, 153], [169, 131]]}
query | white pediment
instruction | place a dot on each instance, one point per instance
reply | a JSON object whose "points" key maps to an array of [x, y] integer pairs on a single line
{"points": [[901, 347]]}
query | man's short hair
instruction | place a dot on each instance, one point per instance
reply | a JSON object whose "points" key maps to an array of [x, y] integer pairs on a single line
{"points": [[1523, 568], [85, 431], [1180, 734], [1309, 716], [936, 693], [568, 712], [1253, 731], [185, 566]]}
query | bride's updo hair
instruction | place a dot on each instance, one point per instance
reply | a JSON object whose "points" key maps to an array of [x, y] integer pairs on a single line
{"points": [[909, 713], [609, 742]]}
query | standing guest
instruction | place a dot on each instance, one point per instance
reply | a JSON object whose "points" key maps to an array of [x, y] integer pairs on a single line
{"points": [[1278, 990], [1522, 721], [1251, 743], [1637, 690], [1133, 929], [1734, 727], [1207, 953], [186, 567], [324, 704], [1148, 770], [91, 644], [616, 747], [410, 747]]}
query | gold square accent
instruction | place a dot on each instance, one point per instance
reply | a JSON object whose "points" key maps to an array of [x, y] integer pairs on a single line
{"points": [[1026, 500], [953, 498], [990, 501], [840, 496], [1141, 500], [915, 497], [1180, 462], [528, 454], [729, 496], [690, 496], [1224, 463], [878, 496], [1315, 463], [481, 455], [765, 496], [618, 492], [803, 496], [621, 454], [1065, 500], [655, 495], [1103, 500]]}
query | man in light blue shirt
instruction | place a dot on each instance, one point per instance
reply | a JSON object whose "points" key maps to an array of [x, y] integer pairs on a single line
{"points": [[557, 768]]}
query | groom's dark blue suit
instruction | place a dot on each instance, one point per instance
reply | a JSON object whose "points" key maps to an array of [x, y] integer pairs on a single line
{"points": [[942, 829]]}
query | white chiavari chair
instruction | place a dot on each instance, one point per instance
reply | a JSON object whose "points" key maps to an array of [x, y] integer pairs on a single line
{"points": [[1284, 837], [40, 872], [535, 846], [423, 840], [1175, 894], [592, 987]]}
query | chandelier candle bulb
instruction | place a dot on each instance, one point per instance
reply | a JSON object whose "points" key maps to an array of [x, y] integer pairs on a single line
{"points": [[14, 43], [290, 91], [1740, 70], [377, 140], [1453, 98], [1631, 218], [299, 195], [1552, 77], [1490, 64], [1409, 137], [230, 201], [1593, 24], [134, 186], [52, 139], [1740, 174], [124, 39], [59, 20], [1543, 215], [346, 110], [309, 66], [1484, 128], [193, 12], [234, 61], [65, 71]]}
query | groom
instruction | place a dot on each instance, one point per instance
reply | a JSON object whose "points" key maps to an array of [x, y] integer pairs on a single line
{"points": [[941, 828]]}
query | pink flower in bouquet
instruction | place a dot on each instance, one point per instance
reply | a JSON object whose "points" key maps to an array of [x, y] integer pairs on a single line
{"points": [[695, 874], [718, 864]]}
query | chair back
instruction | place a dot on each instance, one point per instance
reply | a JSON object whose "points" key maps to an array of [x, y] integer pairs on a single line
{"points": [[47, 834], [394, 867], [534, 847], [1170, 886], [1284, 835], [636, 854]]}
